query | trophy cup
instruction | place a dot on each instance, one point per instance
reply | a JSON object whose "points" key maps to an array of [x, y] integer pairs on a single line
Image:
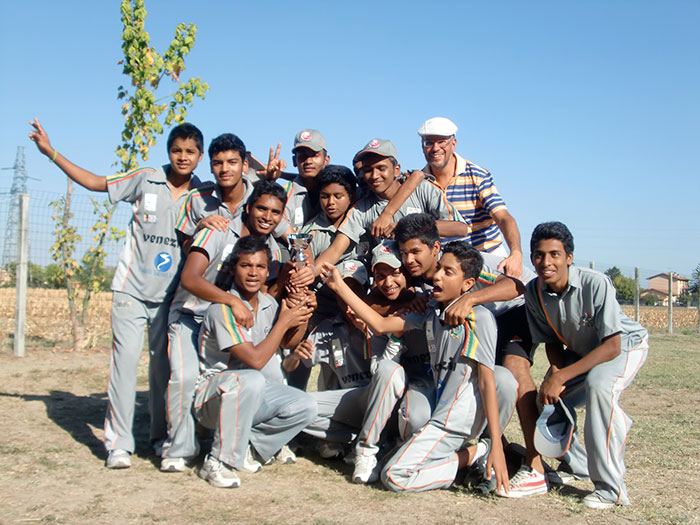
{"points": [[298, 242]]}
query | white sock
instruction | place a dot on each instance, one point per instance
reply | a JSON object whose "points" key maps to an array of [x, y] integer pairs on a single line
{"points": [[481, 449]]}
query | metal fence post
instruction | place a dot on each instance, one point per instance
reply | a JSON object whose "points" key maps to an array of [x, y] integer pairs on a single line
{"points": [[636, 294], [21, 275], [670, 302]]}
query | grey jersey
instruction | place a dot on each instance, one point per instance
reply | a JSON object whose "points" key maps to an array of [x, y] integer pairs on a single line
{"points": [[150, 262], [487, 277], [300, 207], [584, 314], [453, 354], [217, 246], [345, 351], [322, 236], [207, 200], [427, 198], [220, 331]]}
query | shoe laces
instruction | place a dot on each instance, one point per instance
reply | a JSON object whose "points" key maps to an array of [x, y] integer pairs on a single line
{"points": [[522, 475]]}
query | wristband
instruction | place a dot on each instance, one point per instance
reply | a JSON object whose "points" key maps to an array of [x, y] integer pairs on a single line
{"points": [[394, 338], [53, 159]]}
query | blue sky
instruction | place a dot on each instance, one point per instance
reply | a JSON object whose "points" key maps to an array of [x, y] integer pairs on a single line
{"points": [[584, 112]]}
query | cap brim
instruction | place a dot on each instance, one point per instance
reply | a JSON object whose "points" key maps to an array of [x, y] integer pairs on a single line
{"points": [[554, 430]]}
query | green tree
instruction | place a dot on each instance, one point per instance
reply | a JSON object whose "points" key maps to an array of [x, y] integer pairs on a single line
{"points": [[148, 105], [624, 288], [613, 273]]}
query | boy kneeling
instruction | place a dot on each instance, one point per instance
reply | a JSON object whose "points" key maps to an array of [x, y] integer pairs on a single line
{"points": [[594, 351], [462, 359], [234, 395]]}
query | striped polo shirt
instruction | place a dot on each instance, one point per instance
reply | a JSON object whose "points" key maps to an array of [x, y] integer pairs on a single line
{"points": [[474, 194]]}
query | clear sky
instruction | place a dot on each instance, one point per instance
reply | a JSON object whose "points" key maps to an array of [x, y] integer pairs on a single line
{"points": [[584, 112]]}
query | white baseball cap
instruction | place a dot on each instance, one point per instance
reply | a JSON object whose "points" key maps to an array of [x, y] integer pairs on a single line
{"points": [[554, 430], [438, 126]]}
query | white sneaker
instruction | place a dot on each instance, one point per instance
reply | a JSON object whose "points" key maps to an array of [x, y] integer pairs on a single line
{"points": [[218, 474], [286, 456], [118, 459], [172, 465], [526, 482], [250, 464], [329, 450], [596, 501], [365, 469]]}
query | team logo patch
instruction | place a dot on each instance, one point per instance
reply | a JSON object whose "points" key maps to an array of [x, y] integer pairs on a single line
{"points": [[350, 266], [456, 331], [384, 248], [374, 143], [163, 261], [305, 135]]}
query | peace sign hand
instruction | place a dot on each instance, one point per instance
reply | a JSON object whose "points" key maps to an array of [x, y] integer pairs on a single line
{"points": [[275, 165]]}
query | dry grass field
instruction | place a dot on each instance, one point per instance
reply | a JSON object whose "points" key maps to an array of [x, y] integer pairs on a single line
{"points": [[52, 405]]}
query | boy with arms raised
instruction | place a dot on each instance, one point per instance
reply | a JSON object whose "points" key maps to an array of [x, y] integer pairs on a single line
{"points": [[145, 280], [234, 395], [207, 278], [462, 360], [594, 351]]}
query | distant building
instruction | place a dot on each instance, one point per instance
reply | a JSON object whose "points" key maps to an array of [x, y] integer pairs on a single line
{"points": [[658, 286]]}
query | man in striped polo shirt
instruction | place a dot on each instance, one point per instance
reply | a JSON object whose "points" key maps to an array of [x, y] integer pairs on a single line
{"points": [[472, 191]]}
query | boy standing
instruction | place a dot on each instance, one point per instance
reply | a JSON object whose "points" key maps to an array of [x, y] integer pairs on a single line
{"points": [[233, 395], [594, 351], [145, 279]]}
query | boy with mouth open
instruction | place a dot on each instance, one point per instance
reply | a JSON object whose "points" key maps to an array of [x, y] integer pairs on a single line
{"points": [[462, 360]]}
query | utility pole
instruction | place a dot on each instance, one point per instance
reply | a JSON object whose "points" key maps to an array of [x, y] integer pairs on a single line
{"points": [[19, 187]]}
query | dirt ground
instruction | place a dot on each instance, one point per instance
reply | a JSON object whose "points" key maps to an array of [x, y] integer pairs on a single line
{"points": [[52, 405]]}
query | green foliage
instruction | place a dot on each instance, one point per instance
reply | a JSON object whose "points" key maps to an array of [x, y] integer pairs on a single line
{"points": [[66, 238], [53, 278], [649, 300], [145, 114], [624, 288], [613, 273]]}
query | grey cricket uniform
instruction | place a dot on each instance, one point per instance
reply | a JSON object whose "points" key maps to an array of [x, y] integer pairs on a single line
{"points": [[355, 403], [187, 310], [322, 234], [579, 318], [239, 403], [300, 208], [427, 198], [428, 460], [207, 200], [186, 314], [144, 282]]}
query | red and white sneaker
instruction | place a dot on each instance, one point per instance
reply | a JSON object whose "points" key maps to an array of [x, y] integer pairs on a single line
{"points": [[526, 482]]}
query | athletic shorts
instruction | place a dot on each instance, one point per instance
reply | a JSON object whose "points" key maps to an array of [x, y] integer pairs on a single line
{"points": [[514, 336]]}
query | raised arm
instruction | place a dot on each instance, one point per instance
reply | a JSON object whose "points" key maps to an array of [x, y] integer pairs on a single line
{"points": [[85, 178], [377, 323], [513, 264], [504, 289], [384, 225], [193, 281], [452, 228]]}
